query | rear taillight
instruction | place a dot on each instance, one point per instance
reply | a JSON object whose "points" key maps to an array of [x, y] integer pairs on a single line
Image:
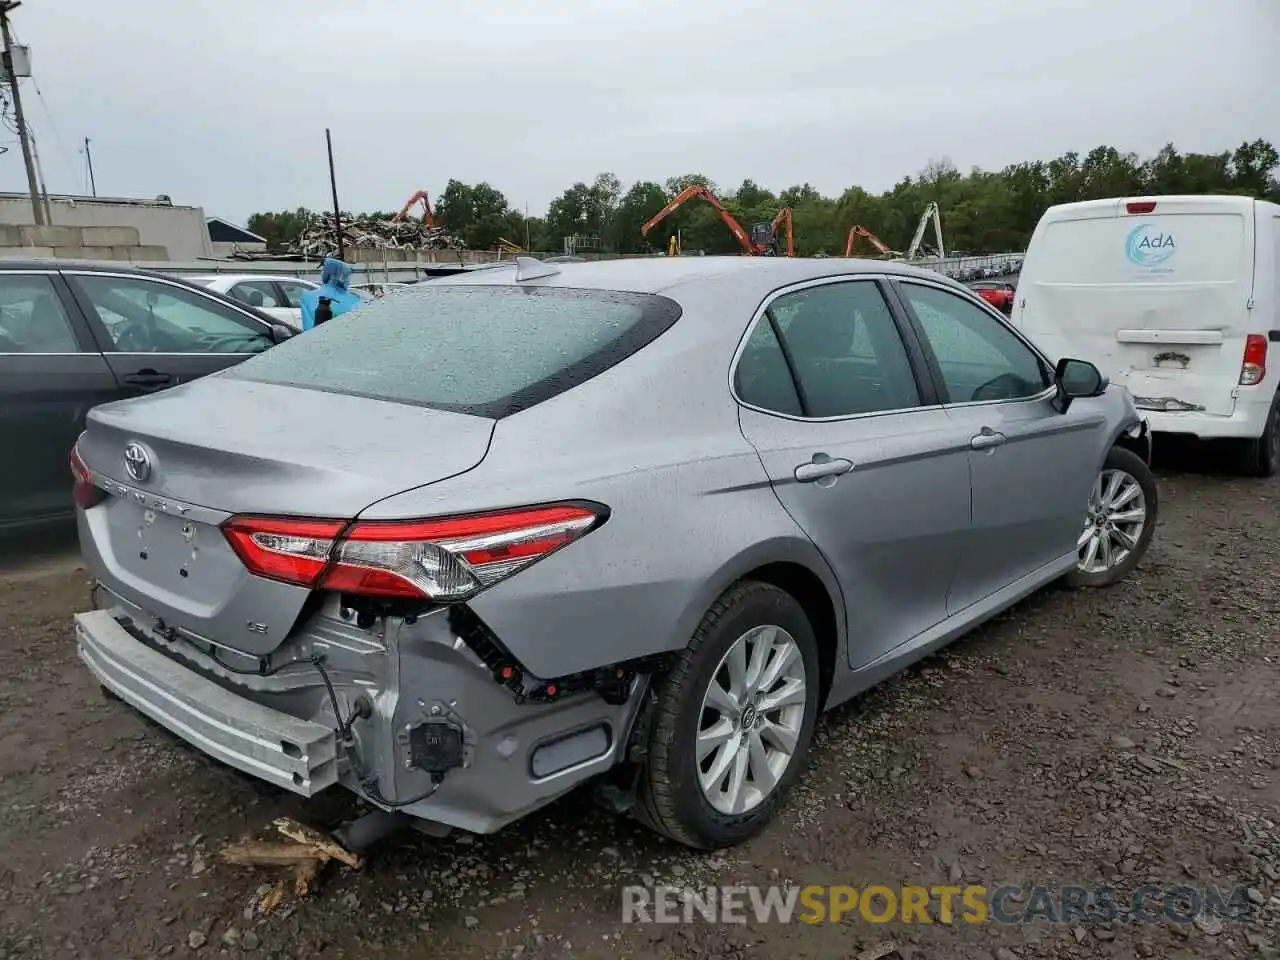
{"points": [[443, 560], [1140, 206], [281, 548], [84, 492], [1254, 367]]}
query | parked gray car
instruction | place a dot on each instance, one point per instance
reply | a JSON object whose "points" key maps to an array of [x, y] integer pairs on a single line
{"points": [[638, 521]]}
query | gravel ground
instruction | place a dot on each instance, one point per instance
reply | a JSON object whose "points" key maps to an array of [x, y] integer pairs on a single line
{"points": [[1103, 738]]}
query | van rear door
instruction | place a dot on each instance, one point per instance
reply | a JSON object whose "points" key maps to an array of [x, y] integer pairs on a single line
{"points": [[1155, 291]]}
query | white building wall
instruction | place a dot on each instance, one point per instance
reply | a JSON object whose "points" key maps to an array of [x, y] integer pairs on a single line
{"points": [[182, 231]]}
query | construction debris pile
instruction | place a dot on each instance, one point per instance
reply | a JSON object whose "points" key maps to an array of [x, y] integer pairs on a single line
{"points": [[319, 240]]}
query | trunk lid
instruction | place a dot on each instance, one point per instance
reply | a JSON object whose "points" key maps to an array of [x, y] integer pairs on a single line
{"points": [[1159, 300], [246, 447], [218, 447]]}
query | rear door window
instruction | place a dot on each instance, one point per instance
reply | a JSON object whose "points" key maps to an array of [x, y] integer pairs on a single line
{"points": [[32, 319], [489, 351], [841, 341], [256, 293], [293, 292]]}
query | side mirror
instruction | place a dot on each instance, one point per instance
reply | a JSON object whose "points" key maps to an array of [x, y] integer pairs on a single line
{"points": [[1076, 378], [280, 333]]}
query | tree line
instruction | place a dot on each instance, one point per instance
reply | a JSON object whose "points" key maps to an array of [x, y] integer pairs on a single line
{"points": [[982, 211]]}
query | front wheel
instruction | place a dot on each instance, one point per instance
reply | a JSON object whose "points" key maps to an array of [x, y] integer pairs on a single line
{"points": [[1119, 522], [732, 721]]}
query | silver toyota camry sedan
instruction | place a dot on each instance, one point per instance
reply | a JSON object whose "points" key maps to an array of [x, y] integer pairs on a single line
{"points": [[636, 521]]}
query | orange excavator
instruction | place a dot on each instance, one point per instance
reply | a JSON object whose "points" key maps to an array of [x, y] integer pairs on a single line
{"points": [[762, 241], [784, 219], [428, 217], [856, 231]]}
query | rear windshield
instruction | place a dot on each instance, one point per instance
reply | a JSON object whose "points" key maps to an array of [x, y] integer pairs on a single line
{"points": [[1168, 248], [489, 351]]}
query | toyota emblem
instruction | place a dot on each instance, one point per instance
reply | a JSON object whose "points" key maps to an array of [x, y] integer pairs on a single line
{"points": [[137, 462]]}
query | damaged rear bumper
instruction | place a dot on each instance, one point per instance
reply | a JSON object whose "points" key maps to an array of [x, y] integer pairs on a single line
{"points": [[444, 741], [295, 754]]}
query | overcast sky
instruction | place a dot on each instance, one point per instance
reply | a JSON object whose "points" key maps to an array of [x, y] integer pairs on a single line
{"points": [[224, 105]]}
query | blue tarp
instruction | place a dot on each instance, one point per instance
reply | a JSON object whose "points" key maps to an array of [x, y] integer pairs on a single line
{"points": [[335, 279]]}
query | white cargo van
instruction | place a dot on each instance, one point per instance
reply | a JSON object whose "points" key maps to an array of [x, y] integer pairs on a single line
{"points": [[1173, 297]]}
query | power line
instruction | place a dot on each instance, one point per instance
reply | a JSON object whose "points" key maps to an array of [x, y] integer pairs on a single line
{"points": [[63, 152], [6, 119]]}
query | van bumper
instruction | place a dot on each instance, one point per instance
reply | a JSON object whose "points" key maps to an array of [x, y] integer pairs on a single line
{"points": [[1246, 423]]}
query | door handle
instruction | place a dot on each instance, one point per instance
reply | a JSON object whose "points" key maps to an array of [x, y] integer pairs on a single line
{"points": [[987, 439], [148, 378], [821, 467]]}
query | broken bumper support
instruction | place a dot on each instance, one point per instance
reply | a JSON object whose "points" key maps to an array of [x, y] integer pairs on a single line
{"points": [[295, 754]]}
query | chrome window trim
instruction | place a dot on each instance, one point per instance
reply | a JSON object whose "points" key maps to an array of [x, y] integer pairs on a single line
{"points": [[124, 353], [805, 285], [1046, 394], [165, 353], [994, 314], [208, 279]]}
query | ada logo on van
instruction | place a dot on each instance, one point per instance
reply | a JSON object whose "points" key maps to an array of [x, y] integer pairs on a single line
{"points": [[1148, 247]]}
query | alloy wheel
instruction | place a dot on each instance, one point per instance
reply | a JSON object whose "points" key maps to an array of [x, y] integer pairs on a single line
{"points": [[751, 718], [1114, 523]]}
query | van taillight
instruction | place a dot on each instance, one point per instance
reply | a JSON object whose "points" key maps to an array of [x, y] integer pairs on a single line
{"points": [[1254, 368], [1140, 206]]}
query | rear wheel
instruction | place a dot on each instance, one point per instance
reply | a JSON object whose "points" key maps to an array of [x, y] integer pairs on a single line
{"points": [[1261, 457], [1119, 522], [733, 720]]}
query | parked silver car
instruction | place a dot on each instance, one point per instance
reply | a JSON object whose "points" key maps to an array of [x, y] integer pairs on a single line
{"points": [[518, 528]]}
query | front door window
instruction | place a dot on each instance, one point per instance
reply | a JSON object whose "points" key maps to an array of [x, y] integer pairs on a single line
{"points": [[149, 316]]}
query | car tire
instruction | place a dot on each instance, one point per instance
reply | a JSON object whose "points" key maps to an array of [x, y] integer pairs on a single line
{"points": [[1129, 471], [1261, 457], [678, 794]]}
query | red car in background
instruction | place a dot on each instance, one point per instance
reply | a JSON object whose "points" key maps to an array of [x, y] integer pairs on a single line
{"points": [[997, 293]]}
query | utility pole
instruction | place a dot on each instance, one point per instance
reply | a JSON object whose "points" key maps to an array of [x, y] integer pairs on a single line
{"points": [[7, 7], [93, 185], [337, 210], [44, 190]]}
